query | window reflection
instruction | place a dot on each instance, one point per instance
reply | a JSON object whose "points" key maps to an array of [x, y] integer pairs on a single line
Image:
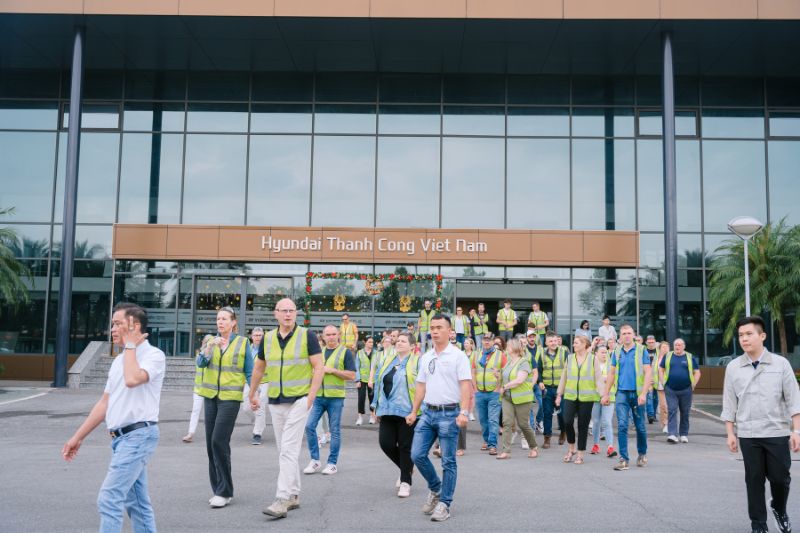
{"points": [[419, 119], [30, 241], [602, 122], [651, 123], [216, 117], [473, 120], [282, 87], [473, 195], [538, 121], [408, 182], [596, 90], [95, 116], [411, 88], [214, 179], [784, 180], [538, 183], [784, 124], [97, 186], [27, 161], [279, 180], [153, 116], [343, 118], [733, 123], [474, 89], [538, 90], [280, 118], [343, 191], [603, 177], [17, 115], [346, 87]]}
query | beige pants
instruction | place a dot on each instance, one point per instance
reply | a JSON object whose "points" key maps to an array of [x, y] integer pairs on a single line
{"points": [[521, 414], [289, 423], [662, 408]]}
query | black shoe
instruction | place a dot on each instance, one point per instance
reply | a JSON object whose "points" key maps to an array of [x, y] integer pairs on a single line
{"points": [[650, 419], [781, 520], [256, 440], [759, 528]]}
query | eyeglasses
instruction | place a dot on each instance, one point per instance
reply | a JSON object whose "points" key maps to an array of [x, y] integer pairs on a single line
{"points": [[286, 311]]}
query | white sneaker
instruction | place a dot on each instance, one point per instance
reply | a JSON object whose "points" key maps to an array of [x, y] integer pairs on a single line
{"points": [[219, 501], [329, 470], [664, 430], [524, 443], [672, 439], [324, 439], [359, 420], [684, 438], [404, 491], [313, 467], [540, 427], [371, 419], [471, 417]]}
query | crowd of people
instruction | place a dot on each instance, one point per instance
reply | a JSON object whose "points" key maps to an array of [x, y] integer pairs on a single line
{"points": [[422, 385]]}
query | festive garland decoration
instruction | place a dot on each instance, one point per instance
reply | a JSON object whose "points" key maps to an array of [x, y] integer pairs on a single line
{"points": [[373, 281]]}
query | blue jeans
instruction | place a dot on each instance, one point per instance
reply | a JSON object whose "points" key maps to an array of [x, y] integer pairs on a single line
{"points": [[652, 401], [678, 401], [460, 338], [549, 401], [538, 415], [602, 417], [479, 341], [627, 405], [441, 424], [125, 486], [488, 406], [332, 406]]}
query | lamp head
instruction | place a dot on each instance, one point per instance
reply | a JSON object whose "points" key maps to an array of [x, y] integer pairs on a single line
{"points": [[745, 227]]}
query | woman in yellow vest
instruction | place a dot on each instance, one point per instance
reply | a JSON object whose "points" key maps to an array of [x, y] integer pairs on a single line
{"points": [[197, 400], [580, 382], [348, 333], [394, 396], [603, 415], [227, 365], [363, 368], [517, 397]]}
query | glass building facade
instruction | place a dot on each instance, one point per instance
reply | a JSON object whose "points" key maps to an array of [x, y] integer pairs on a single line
{"points": [[384, 150]]}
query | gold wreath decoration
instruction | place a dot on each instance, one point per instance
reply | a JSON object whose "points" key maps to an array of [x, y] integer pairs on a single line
{"points": [[338, 302], [374, 286], [405, 304]]}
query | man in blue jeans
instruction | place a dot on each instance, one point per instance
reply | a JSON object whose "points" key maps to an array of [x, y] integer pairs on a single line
{"points": [[486, 376], [129, 406], [631, 371], [444, 383], [340, 366]]}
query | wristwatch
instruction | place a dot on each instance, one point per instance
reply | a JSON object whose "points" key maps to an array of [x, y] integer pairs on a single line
{"points": [[130, 345], [464, 412]]}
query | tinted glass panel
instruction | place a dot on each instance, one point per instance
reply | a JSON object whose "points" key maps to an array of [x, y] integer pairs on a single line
{"points": [[32, 241], [733, 91], [16, 115], [474, 89], [690, 250], [101, 84], [783, 92], [343, 191], [538, 183], [155, 85], [602, 184], [28, 162], [95, 116], [538, 121], [214, 179], [282, 87], [29, 83], [346, 87], [97, 186], [784, 124], [784, 180], [280, 118], [92, 242], [409, 119], [471, 120], [602, 122], [651, 122], [538, 90], [150, 181], [733, 123], [408, 182], [733, 182], [153, 116], [687, 162], [217, 117], [219, 86], [279, 181], [472, 182], [648, 91], [336, 118], [403, 88], [602, 91]]}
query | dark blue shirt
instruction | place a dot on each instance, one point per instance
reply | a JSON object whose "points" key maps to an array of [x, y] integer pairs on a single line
{"points": [[678, 378]]}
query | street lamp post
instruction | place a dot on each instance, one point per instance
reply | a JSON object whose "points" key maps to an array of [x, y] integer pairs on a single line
{"points": [[745, 228]]}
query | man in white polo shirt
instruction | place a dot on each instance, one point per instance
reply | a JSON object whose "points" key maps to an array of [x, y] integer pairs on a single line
{"points": [[444, 383], [129, 406]]}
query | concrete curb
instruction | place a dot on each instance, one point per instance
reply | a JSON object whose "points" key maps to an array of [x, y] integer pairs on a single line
{"points": [[707, 414]]}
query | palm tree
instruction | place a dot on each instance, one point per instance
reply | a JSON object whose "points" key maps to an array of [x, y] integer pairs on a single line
{"points": [[12, 287], [774, 258]]}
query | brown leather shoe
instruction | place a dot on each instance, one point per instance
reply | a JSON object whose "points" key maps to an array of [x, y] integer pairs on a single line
{"points": [[546, 444], [562, 438]]}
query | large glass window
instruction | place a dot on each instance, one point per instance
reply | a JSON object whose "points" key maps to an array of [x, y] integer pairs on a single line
{"points": [[217, 117], [150, 180], [733, 182], [408, 182], [538, 90], [280, 118], [733, 123], [415, 120], [279, 182], [603, 181], [473, 120], [538, 183], [597, 90], [784, 181], [784, 124], [474, 89], [343, 118], [282, 87], [602, 122], [214, 178], [472, 183], [153, 116], [538, 121], [411, 88], [20, 115], [27, 162], [343, 186]]}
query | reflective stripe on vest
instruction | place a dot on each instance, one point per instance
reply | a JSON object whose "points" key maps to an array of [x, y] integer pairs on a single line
{"points": [[508, 316], [425, 319], [688, 362], [224, 376], [412, 369], [580, 383], [637, 358], [484, 375], [288, 369], [522, 393], [364, 363], [333, 386], [552, 368]]}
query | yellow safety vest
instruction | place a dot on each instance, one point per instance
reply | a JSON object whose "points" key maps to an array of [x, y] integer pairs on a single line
{"points": [[198, 380], [484, 375], [612, 394], [224, 376], [364, 363], [412, 369], [552, 368], [580, 384], [508, 316], [537, 319], [473, 356], [522, 393], [464, 319], [689, 362], [333, 386], [637, 355], [289, 371], [656, 377], [347, 335], [425, 319], [480, 324]]}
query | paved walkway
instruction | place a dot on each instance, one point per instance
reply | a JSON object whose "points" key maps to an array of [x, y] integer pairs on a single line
{"points": [[690, 487]]}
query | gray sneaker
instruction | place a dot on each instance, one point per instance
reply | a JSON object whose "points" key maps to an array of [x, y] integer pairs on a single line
{"points": [[256, 440], [431, 502], [440, 513], [621, 465], [278, 509], [293, 502], [641, 460]]}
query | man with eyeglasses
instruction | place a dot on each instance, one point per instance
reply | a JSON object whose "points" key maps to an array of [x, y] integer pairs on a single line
{"points": [[444, 383], [293, 360]]}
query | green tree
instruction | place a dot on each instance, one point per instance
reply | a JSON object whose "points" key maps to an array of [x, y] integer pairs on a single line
{"points": [[774, 260], [13, 290]]}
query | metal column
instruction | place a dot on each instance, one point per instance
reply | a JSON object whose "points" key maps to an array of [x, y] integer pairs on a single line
{"points": [[70, 203], [670, 189]]}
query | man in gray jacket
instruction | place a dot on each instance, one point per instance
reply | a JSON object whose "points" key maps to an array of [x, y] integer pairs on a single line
{"points": [[760, 396]]}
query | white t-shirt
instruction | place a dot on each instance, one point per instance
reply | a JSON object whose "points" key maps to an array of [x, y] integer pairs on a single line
{"points": [[128, 405], [442, 373], [607, 332]]}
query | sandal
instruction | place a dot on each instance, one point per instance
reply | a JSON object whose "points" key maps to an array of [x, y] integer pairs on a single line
{"points": [[579, 459], [460, 453], [484, 447], [492, 451], [504, 455], [533, 454], [568, 457]]}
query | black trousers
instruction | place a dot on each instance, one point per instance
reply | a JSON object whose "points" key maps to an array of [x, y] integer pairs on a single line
{"points": [[583, 410], [395, 437], [766, 458], [363, 391], [220, 417]]}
